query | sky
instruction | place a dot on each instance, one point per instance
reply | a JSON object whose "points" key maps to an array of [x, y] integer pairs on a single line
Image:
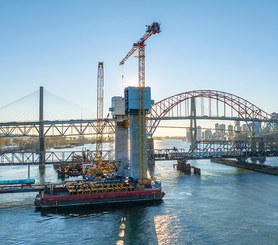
{"points": [[230, 46]]}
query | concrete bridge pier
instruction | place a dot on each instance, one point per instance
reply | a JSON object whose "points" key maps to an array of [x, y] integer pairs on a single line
{"points": [[258, 150], [121, 146], [253, 146], [42, 173], [261, 146], [150, 146], [257, 143], [193, 125], [121, 134]]}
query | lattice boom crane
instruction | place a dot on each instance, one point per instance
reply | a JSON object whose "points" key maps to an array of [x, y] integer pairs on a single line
{"points": [[99, 136]]}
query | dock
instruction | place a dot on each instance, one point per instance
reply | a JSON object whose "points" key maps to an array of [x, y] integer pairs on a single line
{"points": [[20, 188], [262, 168]]}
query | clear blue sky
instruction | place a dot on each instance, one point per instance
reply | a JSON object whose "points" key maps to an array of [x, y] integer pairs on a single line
{"points": [[224, 45]]}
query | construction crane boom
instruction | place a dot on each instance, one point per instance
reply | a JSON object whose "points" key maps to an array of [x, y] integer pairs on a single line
{"points": [[99, 136], [154, 28]]}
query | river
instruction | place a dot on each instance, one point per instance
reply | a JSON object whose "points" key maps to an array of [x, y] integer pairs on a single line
{"points": [[224, 205]]}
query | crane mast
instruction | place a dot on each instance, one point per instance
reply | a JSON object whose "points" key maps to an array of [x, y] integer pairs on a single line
{"points": [[154, 28], [99, 136]]}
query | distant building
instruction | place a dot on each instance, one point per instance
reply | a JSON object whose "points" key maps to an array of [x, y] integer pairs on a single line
{"points": [[220, 130], [237, 126], [199, 133], [207, 134], [230, 131]]}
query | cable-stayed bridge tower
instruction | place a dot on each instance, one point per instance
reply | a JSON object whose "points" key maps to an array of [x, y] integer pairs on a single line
{"points": [[41, 130]]}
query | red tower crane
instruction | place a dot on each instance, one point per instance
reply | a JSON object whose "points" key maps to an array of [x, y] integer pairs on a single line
{"points": [[152, 29]]}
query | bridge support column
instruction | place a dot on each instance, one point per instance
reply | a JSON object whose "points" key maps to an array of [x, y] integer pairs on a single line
{"points": [[253, 146], [150, 151], [136, 170], [257, 144], [258, 150], [261, 146], [41, 131], [121, 145], [134, 149], [193, 124]]}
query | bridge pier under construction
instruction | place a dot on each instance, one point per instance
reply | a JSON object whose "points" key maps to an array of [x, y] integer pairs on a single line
{"points": [[130, 142]]}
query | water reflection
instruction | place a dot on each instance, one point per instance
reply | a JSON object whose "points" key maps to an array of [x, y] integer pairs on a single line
{"points": [[162, 224]]}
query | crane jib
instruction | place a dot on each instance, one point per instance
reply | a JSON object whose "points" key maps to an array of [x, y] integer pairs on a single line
{"points": [[154, 28]]}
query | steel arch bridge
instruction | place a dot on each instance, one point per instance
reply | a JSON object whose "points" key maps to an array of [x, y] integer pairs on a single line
{"points": [[212, 104]]}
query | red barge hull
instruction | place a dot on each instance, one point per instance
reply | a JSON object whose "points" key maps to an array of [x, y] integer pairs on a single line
{"points": [[66, 199]]}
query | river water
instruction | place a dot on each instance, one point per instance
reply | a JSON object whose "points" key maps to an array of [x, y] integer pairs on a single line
{"points": [[224, 205]]}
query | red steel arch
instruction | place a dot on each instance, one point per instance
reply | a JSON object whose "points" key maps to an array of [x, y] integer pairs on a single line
{"points": [[243, 108]]}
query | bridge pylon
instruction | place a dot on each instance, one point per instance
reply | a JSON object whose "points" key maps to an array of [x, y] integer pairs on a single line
{"points": [[41, 130], [193, 124]]}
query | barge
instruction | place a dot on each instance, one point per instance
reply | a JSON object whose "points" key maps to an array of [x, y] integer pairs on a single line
{"points": [[101, 192], [268, 169]]}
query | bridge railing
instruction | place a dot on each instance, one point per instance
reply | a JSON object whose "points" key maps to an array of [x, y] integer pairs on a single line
{"points": [[167, 154], [52, 157], [241, 149], [55, 128], [202, 150]]}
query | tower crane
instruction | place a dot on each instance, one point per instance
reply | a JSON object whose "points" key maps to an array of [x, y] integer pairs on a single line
{"points": [[99, 136], [152, 29]]}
